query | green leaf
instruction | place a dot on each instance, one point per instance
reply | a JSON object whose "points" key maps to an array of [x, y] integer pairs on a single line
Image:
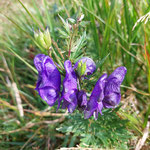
{"points": [[71, 20], [106, 132], [66, 24]]}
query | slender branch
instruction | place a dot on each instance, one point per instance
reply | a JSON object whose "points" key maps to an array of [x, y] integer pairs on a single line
{"points": [[29, 104], [79, 148], [31, 137], [30, 124], [49, 52], [39, 113], [60, 67], [18, 99], [69, 51], [58, 49], [75, 27]]}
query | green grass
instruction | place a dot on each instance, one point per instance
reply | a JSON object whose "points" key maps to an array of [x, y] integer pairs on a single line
{"points": [[110, 40]]}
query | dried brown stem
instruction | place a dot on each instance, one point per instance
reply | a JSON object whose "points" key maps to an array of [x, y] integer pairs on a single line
{"points": [[18, 99], [80, 148], [42, 114], [31, 137], [24, 98], [37, 113], [30, 124]]}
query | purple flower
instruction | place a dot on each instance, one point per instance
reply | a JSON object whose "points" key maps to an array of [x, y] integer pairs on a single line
{"points": [[106, 93], [90, 65], [95, 103], [69, 93], [82, 100], [112, 88], [49, 79]]}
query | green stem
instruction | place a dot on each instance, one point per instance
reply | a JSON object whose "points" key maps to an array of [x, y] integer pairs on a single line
{"points": [[70, 43]]}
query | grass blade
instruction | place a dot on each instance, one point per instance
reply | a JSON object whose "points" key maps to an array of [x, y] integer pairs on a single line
{"points": [[31, 67]]}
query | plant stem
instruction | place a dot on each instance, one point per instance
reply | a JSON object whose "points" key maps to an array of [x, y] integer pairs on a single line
{"points": [[75, 27], [58, 49], [69, 52]]}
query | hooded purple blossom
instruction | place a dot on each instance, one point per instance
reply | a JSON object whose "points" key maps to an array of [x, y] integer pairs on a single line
{"points": [[112, 88], [106, 93], [49, 79], [69, 93], [82, 100], [90, 65], [95, 103]]}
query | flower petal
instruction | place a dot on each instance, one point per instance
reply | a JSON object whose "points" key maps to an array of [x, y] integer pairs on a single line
{"points": [[70, 81], [112, 86], [111, 100], [118, 75], [95, 103], [70, 101], [100, 107], [38, 59], [51, 72], [71, 107], [98, 91], [48, 94], [114, 80], [69, 93], [82, 99], [70, 96], [91, 107]]}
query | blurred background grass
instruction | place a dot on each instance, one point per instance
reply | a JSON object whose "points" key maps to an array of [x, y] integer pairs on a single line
{"points": [[109, 32]]}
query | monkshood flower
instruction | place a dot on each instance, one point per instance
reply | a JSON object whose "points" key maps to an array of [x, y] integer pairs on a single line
{"points": [[81, 100], [106, 93], [95, 104], [85, 66], [69, 93], [112, 89], [49, 79]]}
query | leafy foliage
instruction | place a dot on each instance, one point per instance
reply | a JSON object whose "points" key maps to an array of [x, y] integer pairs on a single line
{"points": [[109, 131]]}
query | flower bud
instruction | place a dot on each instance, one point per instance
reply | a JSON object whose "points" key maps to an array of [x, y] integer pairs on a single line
{"points": [[43, 38], [81, 18], [85, 66], [81, 68]]}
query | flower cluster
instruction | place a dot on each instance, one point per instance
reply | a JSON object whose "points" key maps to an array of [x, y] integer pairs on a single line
{"points": [[106, 93]]}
